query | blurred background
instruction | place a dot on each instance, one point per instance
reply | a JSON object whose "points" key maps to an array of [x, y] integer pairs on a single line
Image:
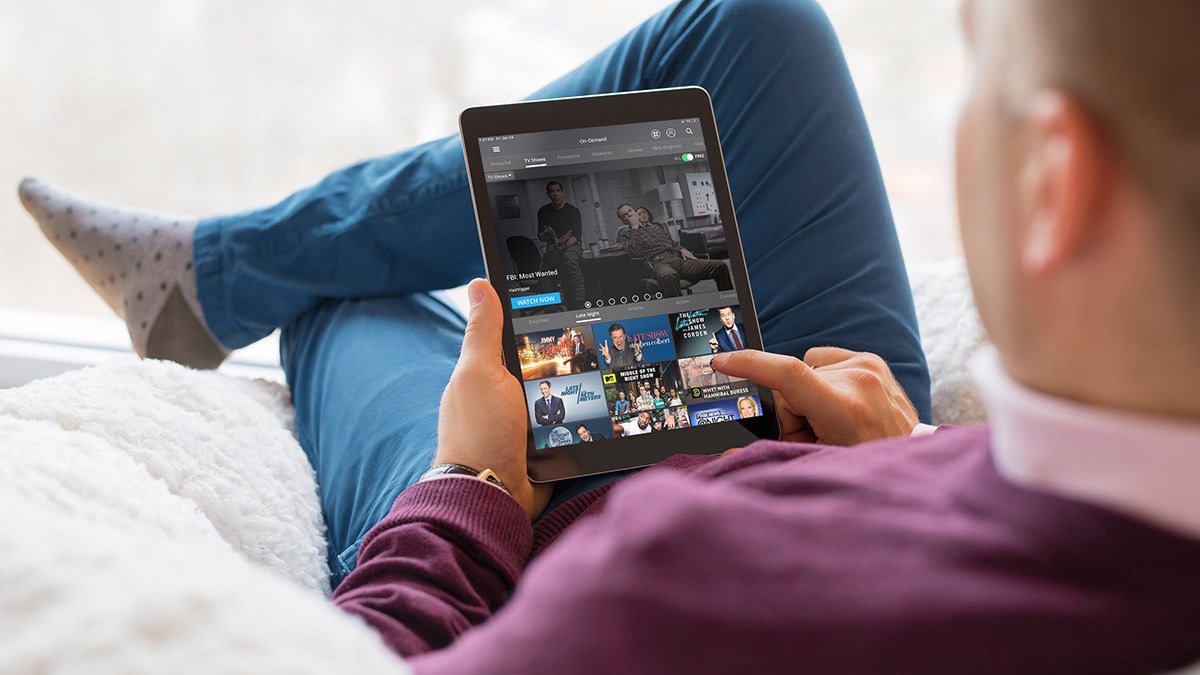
{"points": [[210, 106]]}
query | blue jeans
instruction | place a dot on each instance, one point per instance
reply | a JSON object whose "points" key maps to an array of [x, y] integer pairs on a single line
{"points": [[346, 266]]}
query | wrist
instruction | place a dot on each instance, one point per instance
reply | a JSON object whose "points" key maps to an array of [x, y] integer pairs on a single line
{"points": [[455, 469]]}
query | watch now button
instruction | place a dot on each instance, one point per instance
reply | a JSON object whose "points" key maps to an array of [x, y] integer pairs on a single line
{"points": [[540, 300]]}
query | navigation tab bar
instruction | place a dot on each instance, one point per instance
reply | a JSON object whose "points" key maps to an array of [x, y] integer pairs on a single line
{"points": [[678, 150]]}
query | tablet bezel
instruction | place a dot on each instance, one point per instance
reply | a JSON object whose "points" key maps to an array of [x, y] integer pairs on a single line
{"points": [[558, 463]]}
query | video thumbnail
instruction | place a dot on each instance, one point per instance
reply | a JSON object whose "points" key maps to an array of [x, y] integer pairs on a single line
{"points": [[551, 353], [565, 400], [571, 239], [650, 421], [587, 431], [708, 331], [725, 410], [701, 382], [633, 341], [652, 386]]}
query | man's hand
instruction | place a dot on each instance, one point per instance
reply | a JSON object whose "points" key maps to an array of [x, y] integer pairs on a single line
{"points": [[686, 254], [834, 396], [604, 352], [493, 437]]}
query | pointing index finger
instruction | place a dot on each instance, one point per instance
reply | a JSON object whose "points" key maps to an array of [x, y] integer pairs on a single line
{"points": [[788, 375]]}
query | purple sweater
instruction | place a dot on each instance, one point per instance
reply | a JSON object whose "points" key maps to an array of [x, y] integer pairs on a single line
{"points": [[903, 555]]}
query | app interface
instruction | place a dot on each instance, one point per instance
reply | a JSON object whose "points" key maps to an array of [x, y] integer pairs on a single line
{"points": [[617, 269]]}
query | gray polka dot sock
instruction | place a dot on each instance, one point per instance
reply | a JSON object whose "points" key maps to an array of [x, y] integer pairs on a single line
{"points": [[139, 261]]}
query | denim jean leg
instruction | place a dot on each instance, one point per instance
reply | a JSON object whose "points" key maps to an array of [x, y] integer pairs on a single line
{"points": [[815, 224], [366, 378]]}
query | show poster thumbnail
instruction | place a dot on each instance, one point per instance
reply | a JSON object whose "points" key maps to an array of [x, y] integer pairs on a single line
{"points": [[702, 382], [620, 343], [551, 353], [564, 400], [708, 331], [676, 417], [588, 431], [651, 386], [725, 410], [647, 421]]}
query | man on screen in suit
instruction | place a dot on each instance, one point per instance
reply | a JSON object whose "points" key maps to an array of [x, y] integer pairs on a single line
{"points": [[731, 337], [548, 409], [586, 435]]}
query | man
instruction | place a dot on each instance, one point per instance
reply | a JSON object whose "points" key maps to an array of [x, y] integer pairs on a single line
{"points": [[585, 434], [667, 260], [549, 409], [582, 359], [642, 424], [1066, 540], [731, 336], [644, 401], [621, 405], [1063, 540], [622, 352], [561, 228]]}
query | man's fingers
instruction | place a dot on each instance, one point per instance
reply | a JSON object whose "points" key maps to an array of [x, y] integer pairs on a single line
{"points": [[485, 324], [818, 357], [788, 375]]}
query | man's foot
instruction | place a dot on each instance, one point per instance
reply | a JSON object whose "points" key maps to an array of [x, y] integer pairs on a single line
{"points": [[139, 261]]}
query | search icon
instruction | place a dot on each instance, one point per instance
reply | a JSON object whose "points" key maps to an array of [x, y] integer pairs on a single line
{"points": [[688, 130]]}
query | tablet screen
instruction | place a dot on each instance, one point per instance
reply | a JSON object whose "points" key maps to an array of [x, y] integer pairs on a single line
{"points": [[618, 280]]}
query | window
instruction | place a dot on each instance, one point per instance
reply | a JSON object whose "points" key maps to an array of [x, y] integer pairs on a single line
{"points": [[204, 107]]}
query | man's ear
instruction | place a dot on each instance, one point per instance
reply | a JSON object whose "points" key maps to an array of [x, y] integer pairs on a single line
{"points": [[1063, 182]]}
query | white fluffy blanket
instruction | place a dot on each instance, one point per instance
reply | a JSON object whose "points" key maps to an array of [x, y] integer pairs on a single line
{"points": [[163, 520]]}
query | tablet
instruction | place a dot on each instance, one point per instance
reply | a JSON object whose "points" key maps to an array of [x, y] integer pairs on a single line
{"points": [[608, 232]]}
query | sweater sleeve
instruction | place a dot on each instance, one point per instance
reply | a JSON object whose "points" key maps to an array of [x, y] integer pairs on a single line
{"points": [[627, 590], [444, 559]]}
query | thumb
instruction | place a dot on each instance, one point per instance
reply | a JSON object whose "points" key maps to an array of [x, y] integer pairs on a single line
{"points": [[485, 324]]}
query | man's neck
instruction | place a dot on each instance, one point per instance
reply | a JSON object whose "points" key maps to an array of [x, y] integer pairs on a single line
{"points": [[1136, 362], [1108, 327]]}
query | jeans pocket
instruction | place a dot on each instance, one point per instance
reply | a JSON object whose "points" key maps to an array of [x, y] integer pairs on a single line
{"points": [[346, 562]]}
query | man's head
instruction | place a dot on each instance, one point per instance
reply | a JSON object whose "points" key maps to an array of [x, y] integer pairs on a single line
{"points": [[628, 215], [554, 190], [1078, 179], [617, 333], [621, 395], [644, 388], [544, 385], [726, 316], [584, 434], [643, 419]]}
